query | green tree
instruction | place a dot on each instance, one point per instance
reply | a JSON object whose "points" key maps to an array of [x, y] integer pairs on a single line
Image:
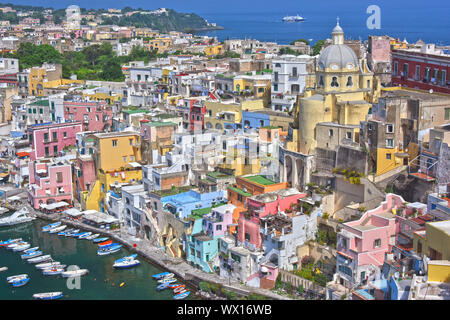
{"points": [[317, 47], [301, 39]]}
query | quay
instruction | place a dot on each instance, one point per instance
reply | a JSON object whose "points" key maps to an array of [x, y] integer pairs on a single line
{"points": [[185, 272]]}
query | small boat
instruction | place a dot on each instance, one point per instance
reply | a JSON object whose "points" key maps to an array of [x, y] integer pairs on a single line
{"points": [[162, 286], [160, 275], [57, 229], [84, 235], [22, 247], [179, 289], [40, 259], [46, 265], [63, 233], [100, 240], [16, 218], [16, 244], [52, 271], [51, 226], [181, 295], [20, 282], [126, 258], [3, 269], [48, 296], [127, 262], [30, 250], [72, 233], [92, 236], [101, 244], [31, 254], [169, 276], [167, 280], [18, 276], [108, 249], [9, 241], [74, 273], [174, 285]]}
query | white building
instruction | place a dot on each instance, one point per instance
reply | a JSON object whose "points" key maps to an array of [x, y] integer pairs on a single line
{"points": [[288, 80]]}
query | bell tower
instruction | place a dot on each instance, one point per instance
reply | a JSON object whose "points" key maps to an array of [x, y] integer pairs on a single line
{"points": [[338, 34]]}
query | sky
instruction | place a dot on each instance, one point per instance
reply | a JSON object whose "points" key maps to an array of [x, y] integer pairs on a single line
{"points": [[231, 6]]}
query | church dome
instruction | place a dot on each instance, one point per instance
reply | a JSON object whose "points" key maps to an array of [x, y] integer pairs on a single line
{"points": [[340, 54]]}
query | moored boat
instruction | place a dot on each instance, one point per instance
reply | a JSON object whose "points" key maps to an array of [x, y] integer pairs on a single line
{"points": [[162, 286], [127, 262], [20, 282], [84, 235], [47, 295], [74, 273], [15, 244], [174, 285], [51, 226], [92, 236], [108, 249], [71, 233], [9, 241], [160, 275], [31, 249], [181, 295], [52, 271], [100, 240], [3, 269], [40, 259], [179, 289], [31, 254], [57, 229], [16, 218], [105, 243], [17, 276], [170, 280], [22, 247], [45, 265]]}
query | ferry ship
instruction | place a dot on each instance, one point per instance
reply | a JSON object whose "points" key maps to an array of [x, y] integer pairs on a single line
{"points": [[296, 18]]}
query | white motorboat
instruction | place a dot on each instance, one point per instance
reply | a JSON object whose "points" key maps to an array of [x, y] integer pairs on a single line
{"points": [[16, 277], [3, 269], [31, 254], [40, 259], [93, 236], [30, 250], [75, 273], [84, 235], [126, 262], [22, 247], [45, 265], [52, 271], [9, 241], [16, 218], [296, 18], [14, 245], [70, 234], [51, 226], [48, 295], [57, 229]]}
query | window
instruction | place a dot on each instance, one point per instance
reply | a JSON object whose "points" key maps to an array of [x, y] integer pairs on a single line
{"points": [[443, 77], [65, 134], [368, 83], [45, 137], [46, 152], [294, 71], [41, 111], [218, 227], [349, 135], [377, 243], [395, 68], [334, 82], [125, 159], [277, 65], [55, 150], [417, 76], [54, 135], [389, 128], [131, 142], [59, 177], [330, 132], [389, 143], [427, 74], [447, 113], [388, 156], [321, 83], [114, 143], [349, 82], [405, 71], [419, 247], [275, 87], [247, 236], [276, 76]]}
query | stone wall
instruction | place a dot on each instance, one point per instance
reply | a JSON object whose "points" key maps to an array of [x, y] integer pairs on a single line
{"points": [[351, 158], [296, 281], [325, 159]]}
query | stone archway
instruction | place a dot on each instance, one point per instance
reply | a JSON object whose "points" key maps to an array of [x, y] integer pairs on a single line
{"points": [[289, 169], [300, 168], [218, 126], [208, 125]]}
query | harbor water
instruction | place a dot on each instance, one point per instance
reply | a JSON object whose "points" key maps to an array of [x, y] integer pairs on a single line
{"points": [[101, 283]]}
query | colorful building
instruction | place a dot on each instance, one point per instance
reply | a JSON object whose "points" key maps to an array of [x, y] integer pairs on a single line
{"points": [[95, 116]]}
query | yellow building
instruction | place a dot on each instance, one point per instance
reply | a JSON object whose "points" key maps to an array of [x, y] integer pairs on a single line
{"points": [[345, 90], [434, 241], [40, 75], [161, 44], [102, 96], [214, 50], [221, 115], [116, 157], [258, 85]]}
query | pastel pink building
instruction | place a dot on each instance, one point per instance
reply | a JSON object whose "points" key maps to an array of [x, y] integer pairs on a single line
{"points": [[216, 223], [48, 139], [95, 115], [260, 206], [362, 244], [50, 182]]}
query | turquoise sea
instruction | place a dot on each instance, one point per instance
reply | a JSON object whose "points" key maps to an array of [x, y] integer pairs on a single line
{"points": [[101, 283]]}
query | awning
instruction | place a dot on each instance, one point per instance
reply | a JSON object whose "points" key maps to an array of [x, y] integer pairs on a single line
{"points": [[55, 205], [22, 154], [134, 165]]}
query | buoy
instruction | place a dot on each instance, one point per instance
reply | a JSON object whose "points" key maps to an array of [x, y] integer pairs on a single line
{"points": [[122, 284], [135, 245]]}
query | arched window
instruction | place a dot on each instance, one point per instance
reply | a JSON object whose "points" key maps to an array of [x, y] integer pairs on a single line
{"points": [[277, 65], [334, 82], [349, 82], [321, 84]]}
